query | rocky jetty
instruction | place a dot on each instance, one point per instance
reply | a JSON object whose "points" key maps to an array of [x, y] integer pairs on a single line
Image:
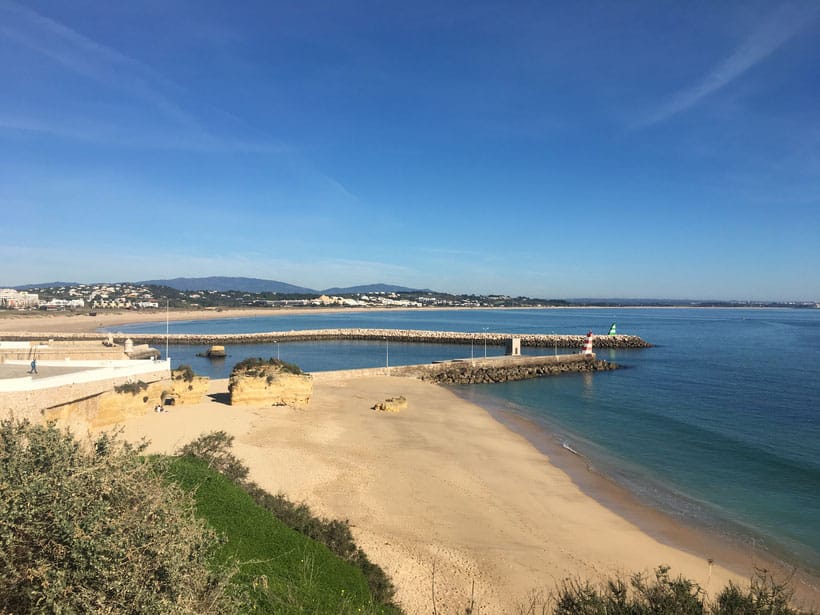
{"points": [[392, 335], [465, 373]]}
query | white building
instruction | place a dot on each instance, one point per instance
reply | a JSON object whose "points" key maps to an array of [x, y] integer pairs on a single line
{"points": [[55, 304], [16, 300]]}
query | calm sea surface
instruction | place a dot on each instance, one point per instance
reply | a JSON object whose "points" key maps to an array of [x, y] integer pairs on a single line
{"points": [[718, 423]]}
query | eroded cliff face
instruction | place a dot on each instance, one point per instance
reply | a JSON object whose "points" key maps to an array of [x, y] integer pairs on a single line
{"points": [[187, 391], [107, 409], [270, 386]]}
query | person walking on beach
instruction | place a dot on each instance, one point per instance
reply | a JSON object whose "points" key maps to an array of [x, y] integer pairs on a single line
{"points": [[33, 369]]}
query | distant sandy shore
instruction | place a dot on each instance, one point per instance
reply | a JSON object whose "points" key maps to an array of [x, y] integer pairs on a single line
{"points": [[81, 322], [15, 322], [442, 495]]}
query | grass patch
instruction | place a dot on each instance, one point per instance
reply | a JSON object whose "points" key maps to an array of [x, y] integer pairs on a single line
{"points": [[215, 449], [279, 569]]}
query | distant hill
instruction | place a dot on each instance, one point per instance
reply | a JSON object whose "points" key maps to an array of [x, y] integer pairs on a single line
{"points": [[369, 288], [220, 283], [258, 285], [45, 285]]}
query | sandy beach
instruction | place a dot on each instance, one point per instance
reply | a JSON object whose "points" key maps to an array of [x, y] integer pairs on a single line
{"points": [[81, 322], [441, 495]]}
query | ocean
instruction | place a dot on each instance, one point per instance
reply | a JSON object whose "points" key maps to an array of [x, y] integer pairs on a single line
{"points": [[718, 424]]}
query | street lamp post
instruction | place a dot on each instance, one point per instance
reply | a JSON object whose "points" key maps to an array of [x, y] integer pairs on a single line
{"points": [[485, 341], [387, 354], [277, 349]]}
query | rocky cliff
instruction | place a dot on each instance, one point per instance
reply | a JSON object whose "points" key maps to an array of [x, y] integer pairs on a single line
{"points": [[187, 388], [269, 384]]}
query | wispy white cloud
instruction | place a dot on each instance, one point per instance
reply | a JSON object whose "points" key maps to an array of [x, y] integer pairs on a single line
{"points": [[780, 27], [120, 135], [89, 58], [111, 69]]}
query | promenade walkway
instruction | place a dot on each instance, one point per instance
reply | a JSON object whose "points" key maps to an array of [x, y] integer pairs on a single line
{"points": [[8, 371]]}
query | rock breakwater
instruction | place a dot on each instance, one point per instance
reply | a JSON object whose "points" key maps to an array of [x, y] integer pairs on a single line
{"points": [[392, 335], [464, 373]]}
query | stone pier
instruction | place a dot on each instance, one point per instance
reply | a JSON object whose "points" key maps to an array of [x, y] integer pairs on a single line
{"points": [[393, 335]]}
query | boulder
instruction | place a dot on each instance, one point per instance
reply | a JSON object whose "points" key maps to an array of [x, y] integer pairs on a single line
{"points": [[391, 404]]}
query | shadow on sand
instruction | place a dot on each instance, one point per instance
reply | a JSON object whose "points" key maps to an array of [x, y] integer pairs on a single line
{"points": [[221, 398]]}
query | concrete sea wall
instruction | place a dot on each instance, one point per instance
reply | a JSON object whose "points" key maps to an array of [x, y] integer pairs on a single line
{"points": [[78, 398]]}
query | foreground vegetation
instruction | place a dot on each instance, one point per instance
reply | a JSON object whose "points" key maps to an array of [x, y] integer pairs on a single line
{"points": [[278, 569], [664, 594], [215, 450], [95, 529], [98, 527]]}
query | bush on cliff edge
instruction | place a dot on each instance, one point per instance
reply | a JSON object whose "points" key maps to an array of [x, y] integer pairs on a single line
{"points": [[215, 449], [93, 527]]}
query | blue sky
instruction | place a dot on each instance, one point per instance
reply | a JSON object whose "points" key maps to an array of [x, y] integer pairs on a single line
{"points": [[627, 149]]}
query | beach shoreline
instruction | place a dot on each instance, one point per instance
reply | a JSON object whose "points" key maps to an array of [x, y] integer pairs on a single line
{"points": [[678, 531], [80, 322], [686, 549], [444, 493]]}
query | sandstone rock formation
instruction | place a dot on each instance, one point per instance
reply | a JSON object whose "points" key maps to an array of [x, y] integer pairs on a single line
{"points": [[187, 388], [108, 409], [257, 383], [391, 404]]}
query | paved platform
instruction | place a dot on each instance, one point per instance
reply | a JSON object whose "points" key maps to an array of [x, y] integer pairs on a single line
{"points": [[45, 371]]}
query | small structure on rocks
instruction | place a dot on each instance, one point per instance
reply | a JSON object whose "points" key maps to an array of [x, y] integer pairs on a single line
{"points": [[513, 347]]}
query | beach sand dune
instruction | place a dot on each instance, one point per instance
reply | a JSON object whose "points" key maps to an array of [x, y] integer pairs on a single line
{"points": [[445, 498]]}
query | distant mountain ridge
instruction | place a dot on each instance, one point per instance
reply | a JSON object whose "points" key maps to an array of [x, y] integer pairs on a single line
{"points": [[369, 288], [45, 285], [223, 283], [258, 285]]}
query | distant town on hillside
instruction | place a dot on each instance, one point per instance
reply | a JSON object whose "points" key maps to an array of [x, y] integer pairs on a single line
{"points": [[224, 292]]}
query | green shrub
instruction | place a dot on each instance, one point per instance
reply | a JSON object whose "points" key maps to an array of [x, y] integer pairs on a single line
{"points": [[679, 596], [131, 387], [92, 527], [184, 373], [214, 448]]}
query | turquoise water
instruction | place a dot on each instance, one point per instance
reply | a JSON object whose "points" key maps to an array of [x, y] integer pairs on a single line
{"points": [[718, 423]]}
